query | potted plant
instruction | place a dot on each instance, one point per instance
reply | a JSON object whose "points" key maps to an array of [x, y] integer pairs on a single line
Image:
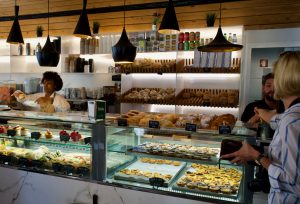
{"points": [[96, 26], [210, 19], [156, 17], [39, 31]]}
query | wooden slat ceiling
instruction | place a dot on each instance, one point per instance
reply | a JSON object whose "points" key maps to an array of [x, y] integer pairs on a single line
{"points": [[253, 14]]}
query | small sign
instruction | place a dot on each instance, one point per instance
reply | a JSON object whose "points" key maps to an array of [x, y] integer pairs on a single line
{"points": [[156, 182], [154, 124], [224, 129], [122, 122], [191, 127], [263, 62]]}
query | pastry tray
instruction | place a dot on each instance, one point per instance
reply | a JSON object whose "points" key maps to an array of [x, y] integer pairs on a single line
{"points": [[209, 193], [154, 168]]}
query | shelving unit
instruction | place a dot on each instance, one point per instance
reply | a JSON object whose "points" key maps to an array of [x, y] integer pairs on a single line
{"points": [[184, 76]]}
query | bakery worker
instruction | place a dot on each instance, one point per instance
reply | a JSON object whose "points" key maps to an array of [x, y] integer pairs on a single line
{"points": [[49, 101], [268, 102]]}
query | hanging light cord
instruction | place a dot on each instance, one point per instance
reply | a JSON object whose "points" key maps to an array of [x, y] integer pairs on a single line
{"points": [[124, 12], [220, 14], [48, 17]]}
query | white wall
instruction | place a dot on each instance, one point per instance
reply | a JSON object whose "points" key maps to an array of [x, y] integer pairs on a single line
{"points": [[250, 73]]}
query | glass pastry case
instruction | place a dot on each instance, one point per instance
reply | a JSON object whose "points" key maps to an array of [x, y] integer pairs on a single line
{"points": [[177, 162], [44, 143]]}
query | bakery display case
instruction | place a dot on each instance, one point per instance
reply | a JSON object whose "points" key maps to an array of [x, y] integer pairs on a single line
{"points": [[179, 163], [44, 143]]}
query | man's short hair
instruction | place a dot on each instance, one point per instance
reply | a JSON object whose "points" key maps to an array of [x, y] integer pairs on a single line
{"points": [[266, 77]]}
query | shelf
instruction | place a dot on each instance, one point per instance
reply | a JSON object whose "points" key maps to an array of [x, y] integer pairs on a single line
{"points": [[83, 73], [46, 141]]}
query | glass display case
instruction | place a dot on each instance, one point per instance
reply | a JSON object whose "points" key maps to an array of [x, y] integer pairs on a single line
{"points": [[44, 143], [176, 162], [167, 161]]}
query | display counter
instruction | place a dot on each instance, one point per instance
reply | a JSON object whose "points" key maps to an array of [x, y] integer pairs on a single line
{"points": [[166, 161]]}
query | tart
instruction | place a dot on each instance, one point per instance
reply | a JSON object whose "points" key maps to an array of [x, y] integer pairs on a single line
{"points": [[75, 136], [202, 187], [64, 136], [181, 183], [24, 131], [226, 190], [214, 189], [48, 134]]}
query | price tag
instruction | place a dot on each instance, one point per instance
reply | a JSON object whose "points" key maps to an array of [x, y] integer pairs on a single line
{"points": [[224, 129], [190, 127], [122, 122], [156, 182], [154, 124]]}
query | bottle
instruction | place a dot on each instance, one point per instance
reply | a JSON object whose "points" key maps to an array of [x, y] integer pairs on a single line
{"points": [[20, 49], [38, 47], [234, 39], [230, 37], [225, 36], [27, 48]]}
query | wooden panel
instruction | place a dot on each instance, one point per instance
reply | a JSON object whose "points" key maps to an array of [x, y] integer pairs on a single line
{"points": [[253, 14]]}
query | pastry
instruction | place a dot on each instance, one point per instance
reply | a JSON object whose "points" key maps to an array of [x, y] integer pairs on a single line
{"points": [[2, 129], [11, 132], [186, 95], [226, 190], [64, 136], [18, 130], [75, 136], [24, 131], [21, 96], [48, 134], [35, 135]]}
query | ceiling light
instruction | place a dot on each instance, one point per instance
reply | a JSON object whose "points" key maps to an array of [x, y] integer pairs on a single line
{"points": [[82, 29], [219, 43], [15, 34], [48, 56], [123, 52], [169, 23]]}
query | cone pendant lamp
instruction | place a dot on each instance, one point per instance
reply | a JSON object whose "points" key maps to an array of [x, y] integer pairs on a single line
{"points": [[123, 52], [15, 34], [82, 29], [219, 43], [48, 56], [169, 24]]}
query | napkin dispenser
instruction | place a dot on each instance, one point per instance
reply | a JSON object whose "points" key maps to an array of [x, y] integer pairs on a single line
{"points": [[96, 109]]}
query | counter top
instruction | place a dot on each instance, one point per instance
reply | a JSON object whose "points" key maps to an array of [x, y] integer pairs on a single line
{"points": [[79, 117]]}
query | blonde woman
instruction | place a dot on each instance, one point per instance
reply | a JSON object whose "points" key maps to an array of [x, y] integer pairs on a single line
{"points": [[283, 160]]}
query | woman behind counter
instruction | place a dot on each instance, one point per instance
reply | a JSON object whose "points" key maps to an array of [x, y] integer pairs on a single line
{"points": [[283, 160], [49, 101]]}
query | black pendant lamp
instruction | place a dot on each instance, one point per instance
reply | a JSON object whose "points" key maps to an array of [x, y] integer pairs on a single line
{"points": [[219, 43], [123, 52], [169, 24], [15, 34], [48, 56], [82, 29]]}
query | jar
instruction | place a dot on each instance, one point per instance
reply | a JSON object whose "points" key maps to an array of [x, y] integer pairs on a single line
{"points": [[180, 46], [186, 46], [186, 36], [181, 37], [20, 49], [27, 48], [197, 44], [192, 45], [192, 36], [197, 36]]}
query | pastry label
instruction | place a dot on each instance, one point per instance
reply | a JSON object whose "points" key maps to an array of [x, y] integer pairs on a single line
{"points": [[224, 129], [190, 127], [154, 124], [122, 122]]}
